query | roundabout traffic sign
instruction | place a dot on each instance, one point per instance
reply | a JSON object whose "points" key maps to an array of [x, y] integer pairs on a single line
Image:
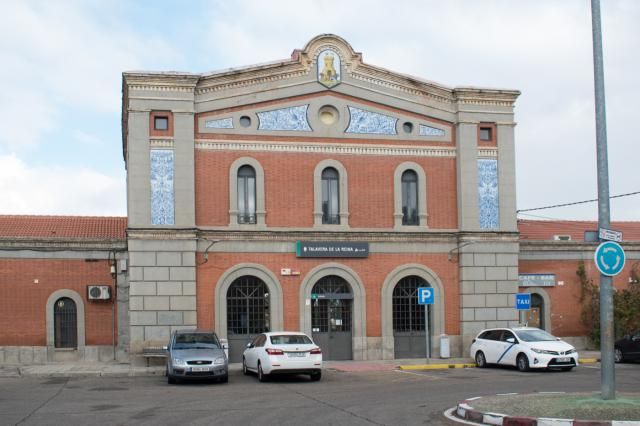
{"points": [[609, 258]]}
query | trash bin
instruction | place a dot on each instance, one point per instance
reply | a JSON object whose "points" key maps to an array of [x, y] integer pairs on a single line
{"points": [[444, 346]]}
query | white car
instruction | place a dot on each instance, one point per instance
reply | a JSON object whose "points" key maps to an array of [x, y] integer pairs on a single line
{"points": [[282, 352], [523, 347]]}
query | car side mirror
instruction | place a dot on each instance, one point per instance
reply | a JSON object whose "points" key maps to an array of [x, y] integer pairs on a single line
{"points": [[511, 340], [165, 348], [558, 339], [249, 345]]}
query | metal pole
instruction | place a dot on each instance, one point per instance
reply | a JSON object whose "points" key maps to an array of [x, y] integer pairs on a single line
{"points": [[607, 372], [426, 329]]}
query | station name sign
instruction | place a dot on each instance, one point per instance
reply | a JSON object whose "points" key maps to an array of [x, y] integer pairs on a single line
{"points": [[537, 280], [331, 249]]}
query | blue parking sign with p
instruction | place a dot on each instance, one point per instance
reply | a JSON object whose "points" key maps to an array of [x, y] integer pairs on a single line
{"points": [[425, 296], [523, 301]]}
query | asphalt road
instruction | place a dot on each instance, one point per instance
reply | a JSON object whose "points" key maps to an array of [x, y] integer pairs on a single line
{"points": [[380, 398]]}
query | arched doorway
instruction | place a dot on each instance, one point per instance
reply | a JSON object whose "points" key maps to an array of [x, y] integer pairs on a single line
{"points": [[331, 317], [65, 323], [409, 319], [536, 314], [248, 313]]}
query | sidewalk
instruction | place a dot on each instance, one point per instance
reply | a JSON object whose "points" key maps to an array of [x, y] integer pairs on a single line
{"points": [[127, 370]]}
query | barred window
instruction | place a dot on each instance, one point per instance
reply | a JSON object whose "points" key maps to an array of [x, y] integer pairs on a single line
{"points": [[246, 195], [330, 196]]}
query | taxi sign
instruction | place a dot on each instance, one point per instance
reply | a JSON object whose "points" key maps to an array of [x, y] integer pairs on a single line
{"points": [[609, 258], [523, 301]]}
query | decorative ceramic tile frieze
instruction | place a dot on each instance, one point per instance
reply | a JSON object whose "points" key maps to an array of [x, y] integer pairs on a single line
{"points": [[430, 131], [292, 118], [488, 204], [362, 121], [223, 123], [162, 196]]}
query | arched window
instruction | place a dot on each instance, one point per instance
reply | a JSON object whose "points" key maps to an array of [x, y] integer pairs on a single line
{"points": [[65, 323], [330, 196], [246, 195], [410, 198]]}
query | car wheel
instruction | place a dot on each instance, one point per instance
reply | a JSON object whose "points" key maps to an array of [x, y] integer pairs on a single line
{"points": [[481, 361], [261, 376], [224, 379], [617, 355], [522, 362], [245, 371], [316, 376], [171, 380]]}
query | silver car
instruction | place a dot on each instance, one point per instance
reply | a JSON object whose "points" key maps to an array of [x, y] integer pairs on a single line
{"points": [[196, 354]]}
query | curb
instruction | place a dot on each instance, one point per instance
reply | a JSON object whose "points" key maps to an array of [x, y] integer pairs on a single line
{"points": [[588, 361], [464, 411], [435, 366]]}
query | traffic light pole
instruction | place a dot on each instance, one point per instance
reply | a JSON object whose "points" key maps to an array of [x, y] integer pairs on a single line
{"points": [[607, 372]]}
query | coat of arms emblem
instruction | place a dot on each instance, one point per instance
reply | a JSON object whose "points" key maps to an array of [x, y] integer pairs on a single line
{"points": [[328, 68]]}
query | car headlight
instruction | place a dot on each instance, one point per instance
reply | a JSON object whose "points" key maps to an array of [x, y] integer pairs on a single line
{"points": [[179, 362], [570, 351], [219, 361], [542, 351]]}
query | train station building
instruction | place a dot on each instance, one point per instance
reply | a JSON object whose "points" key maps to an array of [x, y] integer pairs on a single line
{"points": [[316, 193]]}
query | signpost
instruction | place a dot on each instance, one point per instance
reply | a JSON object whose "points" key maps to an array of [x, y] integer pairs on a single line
{"points": [[610, 235], [609, 258], [523, 303], [425, 297], [331, 249]]}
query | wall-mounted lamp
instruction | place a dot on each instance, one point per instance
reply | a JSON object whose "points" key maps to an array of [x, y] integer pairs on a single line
{"points": [[450, 255]]}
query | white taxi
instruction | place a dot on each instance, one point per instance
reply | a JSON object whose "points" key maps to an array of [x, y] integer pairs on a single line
{"points": [[523, 347]]}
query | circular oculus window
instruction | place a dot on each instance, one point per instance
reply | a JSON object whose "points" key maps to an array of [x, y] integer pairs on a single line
{"points": [[328, 115]]}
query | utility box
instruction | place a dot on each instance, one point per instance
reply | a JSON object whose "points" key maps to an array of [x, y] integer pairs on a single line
{"points": [[444, 346]]}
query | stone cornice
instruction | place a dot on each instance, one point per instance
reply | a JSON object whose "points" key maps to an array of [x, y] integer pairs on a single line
{"points": [[571, 246], [337, 149], [481, 96]]}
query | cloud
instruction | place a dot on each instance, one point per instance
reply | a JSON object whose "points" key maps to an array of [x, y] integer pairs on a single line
{"points": [[59, 55], [58, 190]]}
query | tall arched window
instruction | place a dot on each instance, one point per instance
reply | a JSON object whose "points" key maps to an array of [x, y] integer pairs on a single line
{"points": [[410, 198], [246, 195], [330, 196]]}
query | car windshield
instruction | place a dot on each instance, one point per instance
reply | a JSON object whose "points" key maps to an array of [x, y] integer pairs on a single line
{"points": [[196, 341], [291, 339], [535, 336]]}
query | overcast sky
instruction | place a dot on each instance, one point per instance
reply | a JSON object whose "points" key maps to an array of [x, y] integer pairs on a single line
{"points": [[61, 66]]}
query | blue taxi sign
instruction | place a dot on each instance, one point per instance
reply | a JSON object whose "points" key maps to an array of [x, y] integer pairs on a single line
{"points": [[523, 301], [609, 258]]}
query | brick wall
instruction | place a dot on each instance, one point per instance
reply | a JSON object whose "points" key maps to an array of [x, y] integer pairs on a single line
{"points": [[289, 188], [372, 271], [23, 302], [566, 309]]}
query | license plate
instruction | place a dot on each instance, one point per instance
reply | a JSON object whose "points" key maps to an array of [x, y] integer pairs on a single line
{"points": [[296, 354], [565, 359], [195, 369]]}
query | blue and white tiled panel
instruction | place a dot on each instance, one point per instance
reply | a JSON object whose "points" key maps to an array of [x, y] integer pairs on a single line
{"points": [[424, 130], [162, 194], [221, 123], [488, 197], [362, 121], [287, 119]]}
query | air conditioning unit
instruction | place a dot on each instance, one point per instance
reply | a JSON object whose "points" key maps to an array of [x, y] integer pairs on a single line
{"points": [[562, 237], [98, 292]]}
